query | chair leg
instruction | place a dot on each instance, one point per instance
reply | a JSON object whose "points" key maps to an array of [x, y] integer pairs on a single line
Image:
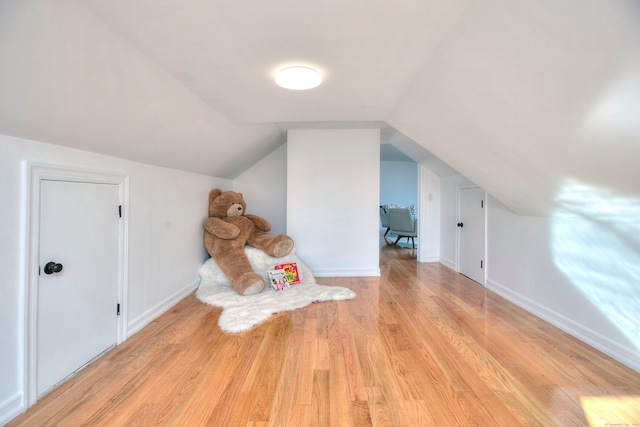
{"points": [[396, 242], [413, 244], [386, 232]]}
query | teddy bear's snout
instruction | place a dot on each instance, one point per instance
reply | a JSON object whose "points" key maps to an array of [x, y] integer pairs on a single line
{"points": [[235, 210]]}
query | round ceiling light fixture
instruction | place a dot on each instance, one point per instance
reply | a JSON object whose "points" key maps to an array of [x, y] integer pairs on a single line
{"points": [[298, 78]]}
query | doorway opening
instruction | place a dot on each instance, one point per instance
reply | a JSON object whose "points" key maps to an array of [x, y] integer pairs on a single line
{"points": [[399, 188]]}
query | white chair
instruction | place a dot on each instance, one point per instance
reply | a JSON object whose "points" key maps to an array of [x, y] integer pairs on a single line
{"points": [[402, 223], [384, 219]]}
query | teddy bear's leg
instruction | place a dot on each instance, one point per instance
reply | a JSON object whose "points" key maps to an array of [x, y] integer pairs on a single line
{"points": [[275, 246], [249, 283], [282, 245], [235, 265]]}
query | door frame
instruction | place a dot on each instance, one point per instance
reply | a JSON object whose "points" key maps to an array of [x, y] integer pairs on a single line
{"points": [[33, 175], [465, 186]]}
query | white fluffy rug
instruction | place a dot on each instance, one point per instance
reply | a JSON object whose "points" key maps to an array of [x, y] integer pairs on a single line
{"points": [[241, 313]]}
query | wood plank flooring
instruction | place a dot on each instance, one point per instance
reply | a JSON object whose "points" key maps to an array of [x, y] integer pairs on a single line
{"points": [[419, 346]]}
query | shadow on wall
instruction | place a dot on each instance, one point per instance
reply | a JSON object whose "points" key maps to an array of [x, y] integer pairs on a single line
{"points": [[596, 244]]}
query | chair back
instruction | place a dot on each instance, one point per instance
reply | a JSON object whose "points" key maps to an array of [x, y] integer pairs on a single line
{"points": [[401, 221], [384, 217]]}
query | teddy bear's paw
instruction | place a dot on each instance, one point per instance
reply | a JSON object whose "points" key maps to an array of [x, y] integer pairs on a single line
{"points": [[249, 284], [283, 248]]}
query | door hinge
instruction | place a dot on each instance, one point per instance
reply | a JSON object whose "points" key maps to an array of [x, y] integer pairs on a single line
{"points": [[481, 263], [117, 309], [120, 211], [482, 204]]}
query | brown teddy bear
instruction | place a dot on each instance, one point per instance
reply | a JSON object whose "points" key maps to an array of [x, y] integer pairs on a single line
{"points": [[228, 229]]}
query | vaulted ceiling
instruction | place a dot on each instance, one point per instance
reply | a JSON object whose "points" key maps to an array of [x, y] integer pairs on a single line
{"points": [[523, 98]]}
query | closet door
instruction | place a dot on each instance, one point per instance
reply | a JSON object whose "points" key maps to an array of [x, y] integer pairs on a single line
{"points": [[78, 281], [471, 233]]}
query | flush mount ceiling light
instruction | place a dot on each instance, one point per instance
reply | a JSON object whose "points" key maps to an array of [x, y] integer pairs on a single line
{"points": [[298, 78]]}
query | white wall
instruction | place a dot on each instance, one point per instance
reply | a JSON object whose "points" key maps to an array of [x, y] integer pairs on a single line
{"points": [[576, 269], [264, 187], [332, 199], [166, 211], [429, 223], [578, 272], [399, 183]]}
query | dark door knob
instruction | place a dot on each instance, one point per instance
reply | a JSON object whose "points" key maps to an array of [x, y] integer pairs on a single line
{"points": [[460, 224], [52, 267]]}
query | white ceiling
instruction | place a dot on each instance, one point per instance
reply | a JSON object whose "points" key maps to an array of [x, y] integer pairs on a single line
{"points": [[520, 97], [227, 53]]}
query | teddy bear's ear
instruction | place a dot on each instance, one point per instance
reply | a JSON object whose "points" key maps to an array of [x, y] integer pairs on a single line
{"points": [[214, 193]]}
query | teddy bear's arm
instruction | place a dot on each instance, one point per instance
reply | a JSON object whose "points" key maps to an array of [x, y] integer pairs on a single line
{"points": [[221, 229], [260, 222]]}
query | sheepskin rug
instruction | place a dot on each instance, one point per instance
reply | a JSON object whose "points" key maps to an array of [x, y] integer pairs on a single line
{"points": [[241, 313]]}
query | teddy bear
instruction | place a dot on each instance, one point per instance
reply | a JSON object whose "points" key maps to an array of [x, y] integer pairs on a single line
{"points": [[228, 229]]}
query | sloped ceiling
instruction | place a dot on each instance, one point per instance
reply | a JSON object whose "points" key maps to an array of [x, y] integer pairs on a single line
{"points": [[520, 97], [528, 99], [389, 153]]}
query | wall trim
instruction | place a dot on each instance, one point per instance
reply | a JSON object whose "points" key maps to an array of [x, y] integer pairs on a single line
{"points": [[156, 311], [586, 335], [447, 262], [11, 408], [346, 272]]}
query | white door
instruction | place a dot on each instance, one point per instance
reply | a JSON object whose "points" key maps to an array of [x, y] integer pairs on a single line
{"points": [[76, 314], [471, 232]]}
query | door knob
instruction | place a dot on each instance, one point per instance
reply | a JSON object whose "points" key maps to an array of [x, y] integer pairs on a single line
{"points": [[52, 267], [460, 224]]}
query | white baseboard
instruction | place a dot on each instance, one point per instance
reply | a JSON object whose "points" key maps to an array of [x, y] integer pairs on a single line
{"points": [[346, 273], [586, 335], [11, 408], [448, 263], [430, 259], [154, 312]]}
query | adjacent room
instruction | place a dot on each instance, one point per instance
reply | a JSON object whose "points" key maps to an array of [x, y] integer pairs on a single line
{"points": [[506, 134]]}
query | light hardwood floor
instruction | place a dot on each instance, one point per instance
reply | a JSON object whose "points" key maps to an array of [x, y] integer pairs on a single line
{"points": [[419, 346]]}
